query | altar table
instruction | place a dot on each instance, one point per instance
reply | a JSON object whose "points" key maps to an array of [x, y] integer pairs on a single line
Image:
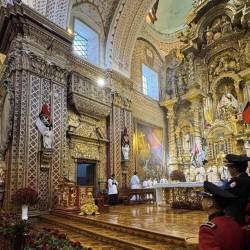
{"points": [[182, 192]]}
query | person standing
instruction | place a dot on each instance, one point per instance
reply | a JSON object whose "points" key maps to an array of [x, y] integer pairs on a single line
{"points": [[239, 186], [135, 181], [135, 184], [112, 190], [221, 231]]}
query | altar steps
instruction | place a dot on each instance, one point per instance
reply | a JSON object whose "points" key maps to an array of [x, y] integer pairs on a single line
{"points": [[118, 236], [87, 242]]}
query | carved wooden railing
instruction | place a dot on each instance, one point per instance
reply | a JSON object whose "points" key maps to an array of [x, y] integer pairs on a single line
{"points": [[131, 196]]}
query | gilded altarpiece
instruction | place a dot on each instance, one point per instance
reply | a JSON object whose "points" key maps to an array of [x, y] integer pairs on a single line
{"points": [[207, 85]]}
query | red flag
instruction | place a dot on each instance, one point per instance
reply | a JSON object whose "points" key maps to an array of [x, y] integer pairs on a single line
{"points": [[246, 113]]}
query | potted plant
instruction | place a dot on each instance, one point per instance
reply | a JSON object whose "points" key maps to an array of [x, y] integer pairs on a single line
{"points": [[25, 197]]}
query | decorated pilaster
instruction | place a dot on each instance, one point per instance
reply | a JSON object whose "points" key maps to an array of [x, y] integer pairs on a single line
{"points": [[33, 81], [122, 148], [172, 139]]}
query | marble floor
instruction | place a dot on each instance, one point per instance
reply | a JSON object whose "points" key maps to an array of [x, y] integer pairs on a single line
{"points": [[180, 223]]}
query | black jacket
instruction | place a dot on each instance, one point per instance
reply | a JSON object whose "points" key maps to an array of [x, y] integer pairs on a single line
{"points": [[240, 187]]}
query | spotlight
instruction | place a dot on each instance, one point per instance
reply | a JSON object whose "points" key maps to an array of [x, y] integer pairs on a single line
{"points": [[101, 82], [70, 31]]}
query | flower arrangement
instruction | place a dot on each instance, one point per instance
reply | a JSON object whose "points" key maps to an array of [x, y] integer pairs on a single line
{"points": [[12, 230], [25, 196], [177, 175], [17, 234], [52, 239]]}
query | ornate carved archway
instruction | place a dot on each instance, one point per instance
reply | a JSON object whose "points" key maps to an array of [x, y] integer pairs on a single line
{"points": [[124, 30]]}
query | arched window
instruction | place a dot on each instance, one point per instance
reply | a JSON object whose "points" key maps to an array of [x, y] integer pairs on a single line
{"points": [[86, 42], [150, 85]]}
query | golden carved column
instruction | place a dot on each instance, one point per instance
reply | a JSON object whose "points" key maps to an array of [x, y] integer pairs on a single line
{"points": [[171, 138], [196, 107]]}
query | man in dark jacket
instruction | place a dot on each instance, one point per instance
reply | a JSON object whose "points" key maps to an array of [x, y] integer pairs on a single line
{"points": [[221, 231], [239, 186]]}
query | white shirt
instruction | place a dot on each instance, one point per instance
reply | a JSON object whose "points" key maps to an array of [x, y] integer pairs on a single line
{"points": [[145, 184], [163, 180], [155, 182], [112, 186], [135, 182], [150, 183]]}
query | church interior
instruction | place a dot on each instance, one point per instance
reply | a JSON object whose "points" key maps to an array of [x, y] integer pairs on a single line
{"points": [[113, 113]]}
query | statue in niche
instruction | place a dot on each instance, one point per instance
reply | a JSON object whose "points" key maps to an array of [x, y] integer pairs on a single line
{"points": [[209, 36], [125, 145], [186, 142], [212, 173], [181, 83], [221, 145], [226, 25], [44, 125], [170, 81], [228, 105]]}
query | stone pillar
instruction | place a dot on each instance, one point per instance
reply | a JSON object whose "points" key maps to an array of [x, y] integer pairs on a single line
{"points": [[171, 138]]}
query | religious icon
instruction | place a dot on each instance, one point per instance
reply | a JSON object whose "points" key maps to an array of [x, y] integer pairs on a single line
{"points": [[44, 125], [125, 145]]}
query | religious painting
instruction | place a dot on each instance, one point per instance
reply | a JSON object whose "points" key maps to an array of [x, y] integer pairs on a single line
{"points": [[149, 147]]}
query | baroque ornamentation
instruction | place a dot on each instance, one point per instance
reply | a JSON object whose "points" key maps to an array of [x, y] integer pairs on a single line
{"points": [[88, 98]]}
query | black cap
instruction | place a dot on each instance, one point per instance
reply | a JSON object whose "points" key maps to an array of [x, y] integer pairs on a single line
{"points": [[213, 191], [232, 158]]}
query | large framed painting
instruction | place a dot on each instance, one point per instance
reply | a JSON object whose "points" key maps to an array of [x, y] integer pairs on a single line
{"points": [[149, 151]]}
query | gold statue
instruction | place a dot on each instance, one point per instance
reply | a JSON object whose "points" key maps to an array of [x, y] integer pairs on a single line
{"points": [[89, 207], [179, 55]]}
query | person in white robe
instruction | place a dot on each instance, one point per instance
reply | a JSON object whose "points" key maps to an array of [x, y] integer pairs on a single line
{"points": [[135, 184], [150, 183], [135, 181], [113, 190], [163, 180], [155, 181], [145, 183]]}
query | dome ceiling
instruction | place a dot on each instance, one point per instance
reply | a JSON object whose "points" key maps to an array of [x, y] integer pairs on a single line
{"points": [[171, 15]]}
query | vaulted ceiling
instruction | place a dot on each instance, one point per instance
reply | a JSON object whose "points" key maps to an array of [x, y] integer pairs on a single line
{"points": [[171, 15]]}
